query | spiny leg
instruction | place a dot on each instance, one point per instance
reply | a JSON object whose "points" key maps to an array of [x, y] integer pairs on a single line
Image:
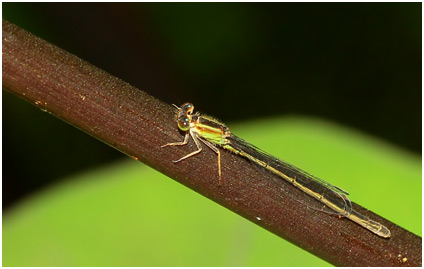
{"points": [[196, 141], [178, 143], [199, 147], [217, 151]]}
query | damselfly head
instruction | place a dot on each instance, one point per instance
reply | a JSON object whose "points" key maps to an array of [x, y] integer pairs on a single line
{"points": [[187, 108], [184, 116]]}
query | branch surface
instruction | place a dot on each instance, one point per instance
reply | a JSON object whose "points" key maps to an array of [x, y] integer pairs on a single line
{"points": [[137, 124]]}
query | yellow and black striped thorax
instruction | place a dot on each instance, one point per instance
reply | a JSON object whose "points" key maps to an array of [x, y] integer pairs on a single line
{"points": [[209, 129]]}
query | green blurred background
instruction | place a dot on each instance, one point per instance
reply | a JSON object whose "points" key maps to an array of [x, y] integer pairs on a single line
{"points": [[332, 88]]}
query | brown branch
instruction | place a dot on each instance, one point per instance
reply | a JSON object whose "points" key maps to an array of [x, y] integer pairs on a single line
{"points": [[137, 124]]}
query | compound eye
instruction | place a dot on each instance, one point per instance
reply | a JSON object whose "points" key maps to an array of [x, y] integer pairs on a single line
{"points": [[184, 124], [187, 108]]}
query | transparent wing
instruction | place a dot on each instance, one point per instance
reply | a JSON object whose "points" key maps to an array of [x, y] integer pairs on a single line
{"points": [[334, 194]]}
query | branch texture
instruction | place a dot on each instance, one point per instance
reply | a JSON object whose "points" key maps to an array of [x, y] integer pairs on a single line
{"points": [[137, 124]]}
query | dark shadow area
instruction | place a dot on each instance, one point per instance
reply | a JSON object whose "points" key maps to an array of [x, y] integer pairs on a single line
{"points": [[358, 64]]}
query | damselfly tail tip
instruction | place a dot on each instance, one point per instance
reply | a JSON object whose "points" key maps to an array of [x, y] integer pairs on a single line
{"points": [[384, 232]]}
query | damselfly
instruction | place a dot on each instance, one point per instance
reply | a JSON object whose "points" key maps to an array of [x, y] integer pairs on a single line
{"points": [[215, 134]]}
